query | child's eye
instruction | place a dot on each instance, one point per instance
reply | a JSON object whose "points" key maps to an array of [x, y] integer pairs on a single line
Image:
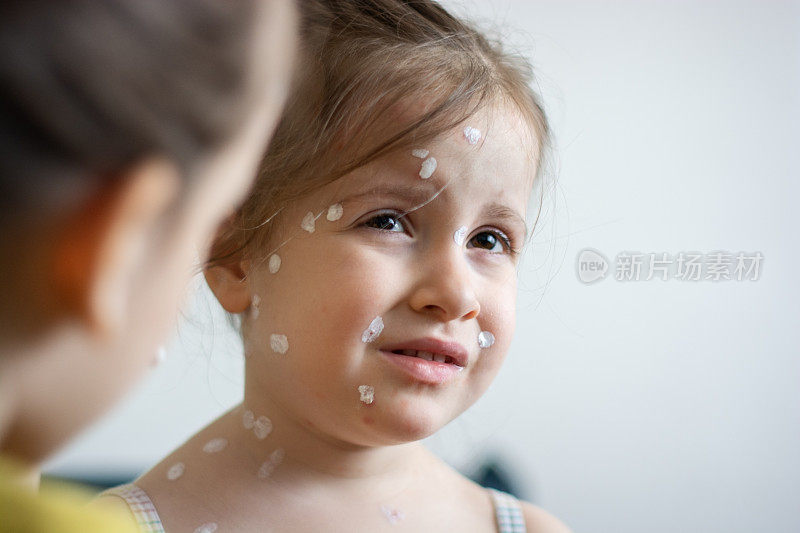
{"points": [[385, 222], [491, 241]]}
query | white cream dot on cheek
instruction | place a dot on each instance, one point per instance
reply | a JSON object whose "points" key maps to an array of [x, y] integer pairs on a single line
{"points": [[215, 445], [335, 212], [421, 153], [248, 419], [367, 393], [208, 527], [485, 339], [278, 343], [392, 515], [308, 222], [176, 471], [427, 168], [460, 235], [472, 135], [274, 263], [373, 330], [262, 427]]}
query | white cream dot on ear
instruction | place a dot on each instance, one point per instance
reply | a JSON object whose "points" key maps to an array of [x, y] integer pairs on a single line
{"points": [[460, 235], [208, 527], [176, 471], [367, 393], [308, 222], [278, 343], [373, 330], [335, 212], [472, 135], [262, 427], [427, 168], [392, 515], [485, 339], [274, 263], [422, 153], [248, 419], [215, 445]]}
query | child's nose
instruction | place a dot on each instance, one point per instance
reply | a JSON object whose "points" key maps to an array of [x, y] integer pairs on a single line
{"points": [[445, 288]]}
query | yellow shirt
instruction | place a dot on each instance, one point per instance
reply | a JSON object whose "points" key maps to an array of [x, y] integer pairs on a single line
{"points": [[57, 508]]}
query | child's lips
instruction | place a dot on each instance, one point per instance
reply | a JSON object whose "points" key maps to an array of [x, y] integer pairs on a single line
{"points": [[428, 360], [432, 372]]}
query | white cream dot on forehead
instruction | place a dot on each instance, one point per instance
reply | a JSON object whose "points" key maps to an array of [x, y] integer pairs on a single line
{"points": [[262, 427], [278, 343], [485, 339], [421, 153], [248, 419], [367, 393], [335, 212], [215, 445], [472, 135], [208, 527], [459, 235], [427, 168], [373, 330], [392, 515], [176, 471], [308, 222], [274, 263]]}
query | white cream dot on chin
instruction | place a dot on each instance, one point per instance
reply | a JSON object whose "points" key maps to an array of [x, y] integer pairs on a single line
{"points": [[215, 445], [278, 343], [472, 135], [373, 330], [262, 427], [176, 471], [308, 222], [274, 263], [208, 527], [485, 339], [427, 168], [335, 212], [421, 153], [459, 235], [248, 419], [367, 393]]}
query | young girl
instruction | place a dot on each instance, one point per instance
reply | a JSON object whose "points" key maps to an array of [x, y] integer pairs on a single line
{"points": [[374, 271]]}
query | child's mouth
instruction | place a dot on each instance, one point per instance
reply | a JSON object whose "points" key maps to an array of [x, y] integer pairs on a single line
{"points": [[427, 360], [428, 356]]}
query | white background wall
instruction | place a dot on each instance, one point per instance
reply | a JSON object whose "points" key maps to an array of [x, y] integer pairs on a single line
{"points": [[655, 406]]}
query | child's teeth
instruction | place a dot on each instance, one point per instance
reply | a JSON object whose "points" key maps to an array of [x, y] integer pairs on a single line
{"points": [[428, 356], [412, 353], [439, 358]]}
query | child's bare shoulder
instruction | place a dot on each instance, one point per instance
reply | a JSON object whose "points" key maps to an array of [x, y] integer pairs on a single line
{"points": [[537, 520]]}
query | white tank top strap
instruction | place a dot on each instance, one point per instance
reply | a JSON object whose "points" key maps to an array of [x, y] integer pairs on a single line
{"points": [[140, 505], [508, 512]]}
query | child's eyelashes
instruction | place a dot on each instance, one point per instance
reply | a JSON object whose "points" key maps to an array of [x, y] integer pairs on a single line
{"points": [[386, 221], [493, 241]]}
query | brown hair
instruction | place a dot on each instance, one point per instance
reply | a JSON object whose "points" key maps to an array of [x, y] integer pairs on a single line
{"points": [[88, 87], [365, 64]]}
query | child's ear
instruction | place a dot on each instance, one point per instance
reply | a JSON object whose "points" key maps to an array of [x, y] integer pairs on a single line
{"points": [[229, 284], [99, 251]]}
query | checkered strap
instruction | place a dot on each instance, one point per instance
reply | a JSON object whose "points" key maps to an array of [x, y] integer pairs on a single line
{"points": [[508, 512], [140, 505]]}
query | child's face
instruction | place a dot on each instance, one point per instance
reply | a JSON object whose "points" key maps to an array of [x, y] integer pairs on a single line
{"points": [[413, 274]]}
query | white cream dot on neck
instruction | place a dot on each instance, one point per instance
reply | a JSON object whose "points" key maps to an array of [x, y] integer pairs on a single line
{"points": [[268, 467], [215, 445], [335, 212], [248, 419], [421, 153], [176, 471], [427, 168], [459, 235], [485, 339], [208, 527], [308, 222], [262, 427], [367, 393], [278, 343], [373, 330], [472, 135], [254, 306], [392, 515], [274, 263]]}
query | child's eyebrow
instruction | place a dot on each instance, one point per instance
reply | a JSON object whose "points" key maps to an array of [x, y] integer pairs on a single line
{"points": [[503, 212]]}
